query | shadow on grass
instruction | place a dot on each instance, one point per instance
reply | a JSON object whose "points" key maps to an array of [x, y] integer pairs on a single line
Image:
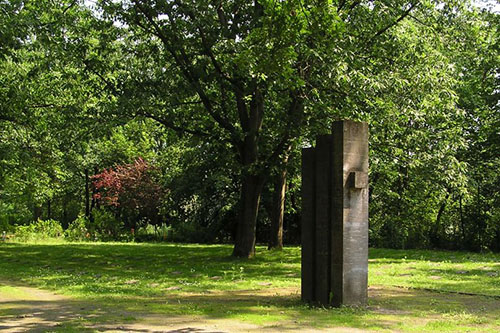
{"points": [[41, 316], [78, 316], [133, 280], [387, 309]]}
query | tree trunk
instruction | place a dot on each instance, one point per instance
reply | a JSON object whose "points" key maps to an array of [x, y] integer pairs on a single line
{"points": [[278, 211], [441, 210], [87, 194], [435, 229], [251, 191], [94, 203], [252, 180], [479, 219], [65, 211], [37, 212], [462, 224], [48, 210]]}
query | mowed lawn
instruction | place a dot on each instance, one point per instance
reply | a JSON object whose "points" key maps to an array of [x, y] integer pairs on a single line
{"points": [[106, 286]]}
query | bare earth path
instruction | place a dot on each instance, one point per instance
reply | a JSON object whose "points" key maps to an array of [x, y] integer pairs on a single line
{"points": [[25, 309], [35, 310]]}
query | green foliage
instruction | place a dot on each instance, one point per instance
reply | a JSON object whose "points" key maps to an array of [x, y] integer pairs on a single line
{"points": [[430, 166], [148, 232], [5, 225], [106, 226], [39, 230], [77, 230], [202, 204]]}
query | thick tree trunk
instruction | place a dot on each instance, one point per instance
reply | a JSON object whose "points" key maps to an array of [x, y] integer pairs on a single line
{"points": [[87, 194], [278, 211], [37, 212], [251, 191], [252, 181]]}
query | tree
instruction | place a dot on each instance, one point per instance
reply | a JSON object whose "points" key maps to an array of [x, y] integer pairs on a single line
{"points": [[48, 106], [252, 83], [133, 189], [472, 211], [424, 165], [252, 74]]}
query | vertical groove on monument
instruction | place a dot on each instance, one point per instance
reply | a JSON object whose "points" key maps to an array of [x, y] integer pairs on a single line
{"points": [[323, 167], [335, 217], [308, 224]]}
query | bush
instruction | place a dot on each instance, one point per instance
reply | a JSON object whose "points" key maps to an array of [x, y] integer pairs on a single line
{"points": [[39, 230], [5, 226], [106, 225], [148, 233], [77, 230], [190, 232]]}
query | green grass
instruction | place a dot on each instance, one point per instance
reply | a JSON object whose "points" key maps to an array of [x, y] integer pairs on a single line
{"points": [[438, 270], [132, 281]]}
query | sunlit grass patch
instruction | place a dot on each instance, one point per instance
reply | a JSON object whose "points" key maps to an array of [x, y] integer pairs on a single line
{"points": [[132, 282]]}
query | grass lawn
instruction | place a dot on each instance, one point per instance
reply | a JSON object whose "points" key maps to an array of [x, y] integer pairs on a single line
{"points": [[122, 285]]}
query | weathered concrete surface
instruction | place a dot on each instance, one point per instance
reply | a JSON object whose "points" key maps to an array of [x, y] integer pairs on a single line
{"points": [[350, 218], [339, 223]]}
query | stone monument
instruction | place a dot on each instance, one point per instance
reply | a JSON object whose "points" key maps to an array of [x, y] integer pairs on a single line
{"points": [[335, 217]]}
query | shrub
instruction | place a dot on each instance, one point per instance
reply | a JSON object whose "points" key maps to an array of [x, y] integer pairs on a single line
{"points": [[39, 230], [77, 230], [5, 226], [106, 225], [148, 233], [132, 190]]}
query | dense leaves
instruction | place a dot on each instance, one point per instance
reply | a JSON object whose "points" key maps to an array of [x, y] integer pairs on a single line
{"points": [[133, 190], [221, 96]]}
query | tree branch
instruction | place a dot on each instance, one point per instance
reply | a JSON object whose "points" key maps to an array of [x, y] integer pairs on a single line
{"points": [[295, 112], [399, 19], [171, 125], [183, 62]]}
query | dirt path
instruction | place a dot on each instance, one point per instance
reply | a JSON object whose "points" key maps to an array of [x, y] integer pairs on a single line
{"points": [[25, 309]]}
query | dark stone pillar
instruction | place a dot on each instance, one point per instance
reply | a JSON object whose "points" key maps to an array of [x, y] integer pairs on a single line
{"points": [[308, 233], [335, 217], [323, 209]]}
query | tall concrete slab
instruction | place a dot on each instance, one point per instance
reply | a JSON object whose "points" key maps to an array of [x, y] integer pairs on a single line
{"points": [[335, 217], [350, 213]]}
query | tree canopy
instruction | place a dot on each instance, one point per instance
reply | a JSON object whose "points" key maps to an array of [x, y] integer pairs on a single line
{"points": [[222, 95]]}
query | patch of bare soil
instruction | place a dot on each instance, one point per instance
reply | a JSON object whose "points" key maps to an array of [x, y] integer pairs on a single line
{"points": [[25, 309], [28, 309]]}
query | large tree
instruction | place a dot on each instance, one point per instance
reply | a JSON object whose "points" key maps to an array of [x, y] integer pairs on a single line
{"points": [[48, 107], [255, 81], [256, 76]]}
